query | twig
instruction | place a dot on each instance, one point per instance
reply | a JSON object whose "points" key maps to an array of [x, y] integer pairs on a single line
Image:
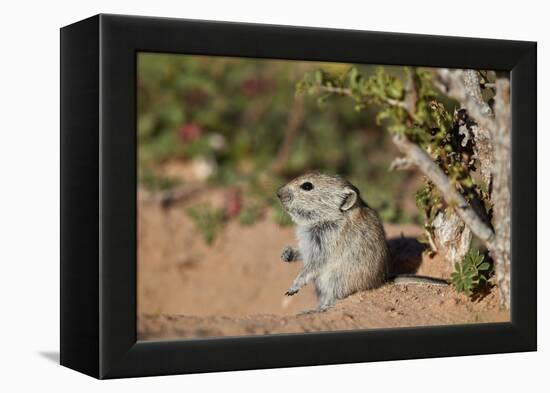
{"points": [[295, 119], [411, 95], [169, 197], [428, 167], [401, 163], [473, 90], [431, 241], [347, 92]]}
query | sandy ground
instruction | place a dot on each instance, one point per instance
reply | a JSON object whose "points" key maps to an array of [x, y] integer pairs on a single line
{"points": [[236, 286]]}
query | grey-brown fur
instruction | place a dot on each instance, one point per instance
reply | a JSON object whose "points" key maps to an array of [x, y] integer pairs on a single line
{"points": [[341, 240]]}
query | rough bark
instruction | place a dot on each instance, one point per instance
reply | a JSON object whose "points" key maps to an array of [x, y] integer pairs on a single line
{"points": [[502, 183], [491, 131], [451, 236]]}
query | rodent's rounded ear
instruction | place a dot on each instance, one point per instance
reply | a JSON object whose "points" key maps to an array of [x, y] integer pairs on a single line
{"points": [[350, 197]]}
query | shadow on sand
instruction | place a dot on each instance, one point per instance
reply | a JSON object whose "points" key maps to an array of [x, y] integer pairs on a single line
{"points": [[405, 255]]}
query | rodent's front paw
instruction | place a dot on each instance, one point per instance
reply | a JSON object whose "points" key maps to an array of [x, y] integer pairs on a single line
{"points": [[292, 291], [287, 255]]}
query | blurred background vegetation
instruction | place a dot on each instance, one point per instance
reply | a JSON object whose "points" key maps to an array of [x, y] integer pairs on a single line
{"points": [[238, 124]]}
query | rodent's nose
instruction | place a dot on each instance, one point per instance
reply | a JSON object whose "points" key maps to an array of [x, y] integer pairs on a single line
{"points": [[283, 194]]}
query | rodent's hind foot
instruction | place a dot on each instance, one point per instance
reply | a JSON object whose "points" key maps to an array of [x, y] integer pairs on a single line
{"points": [[325, 303], [324, 307], [317, 310]]}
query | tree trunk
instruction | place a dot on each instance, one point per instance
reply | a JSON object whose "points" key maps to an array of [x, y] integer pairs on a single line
{"points": [[502, 186], [492, 134]]}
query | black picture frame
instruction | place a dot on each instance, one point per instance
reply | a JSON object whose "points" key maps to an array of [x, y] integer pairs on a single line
{"points": [[98, 196]]}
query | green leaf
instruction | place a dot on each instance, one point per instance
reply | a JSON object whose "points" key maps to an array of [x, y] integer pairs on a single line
{"points": [[484, 266], [319, 77]]}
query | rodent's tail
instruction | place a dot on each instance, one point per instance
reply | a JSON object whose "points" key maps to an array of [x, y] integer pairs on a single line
{"points": [[414, 279]]}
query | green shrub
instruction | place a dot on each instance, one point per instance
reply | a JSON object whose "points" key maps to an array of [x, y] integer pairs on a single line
{"points": [[236, 114], [208, 221], [249, 215], [472, 274]]}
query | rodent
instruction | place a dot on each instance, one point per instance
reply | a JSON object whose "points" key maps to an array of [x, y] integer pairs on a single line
{"points": [[341, 240]]}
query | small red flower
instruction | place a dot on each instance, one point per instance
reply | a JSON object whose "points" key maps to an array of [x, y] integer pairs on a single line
{"points": [[233, 203], [189, 132]]}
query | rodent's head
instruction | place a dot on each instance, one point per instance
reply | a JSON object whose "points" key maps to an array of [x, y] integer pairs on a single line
{"points": [[317, 197]]}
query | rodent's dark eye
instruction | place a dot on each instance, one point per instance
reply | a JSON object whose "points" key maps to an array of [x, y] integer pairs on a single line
{"points": [[307, 186]]}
